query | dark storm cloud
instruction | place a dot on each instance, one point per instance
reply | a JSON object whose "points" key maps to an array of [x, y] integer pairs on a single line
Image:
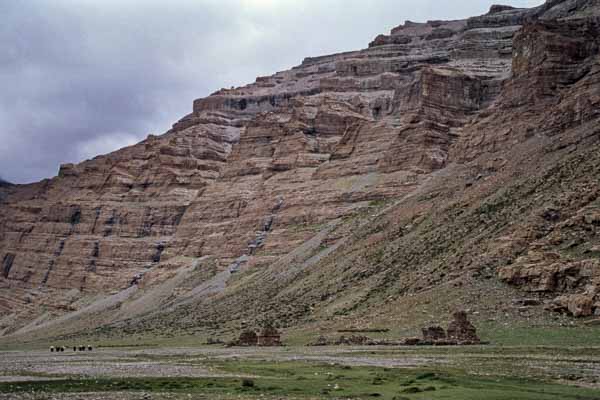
{"points": [[80, 78]]}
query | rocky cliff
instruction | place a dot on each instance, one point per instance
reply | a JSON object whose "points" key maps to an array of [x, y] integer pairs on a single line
{"points": [[450, 162]]}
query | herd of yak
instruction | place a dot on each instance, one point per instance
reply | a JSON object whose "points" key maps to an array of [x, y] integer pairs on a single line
{"points": [[60, 349]]}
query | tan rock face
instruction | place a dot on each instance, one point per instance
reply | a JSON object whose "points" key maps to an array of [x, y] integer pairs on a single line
{"points": [[99, 223], [578, 305], [551, 273], [270, 192]]}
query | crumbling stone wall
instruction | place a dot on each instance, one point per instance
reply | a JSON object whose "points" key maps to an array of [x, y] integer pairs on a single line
{"points": [[434, 333], [269, 337]]}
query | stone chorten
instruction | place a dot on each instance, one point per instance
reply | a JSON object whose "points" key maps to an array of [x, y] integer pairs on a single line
{"points": [[461, 330]]}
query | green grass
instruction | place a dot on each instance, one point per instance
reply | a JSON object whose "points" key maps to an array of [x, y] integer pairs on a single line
{"points": [[541, 336], [517, 334], [389, 383], [323, 381]]}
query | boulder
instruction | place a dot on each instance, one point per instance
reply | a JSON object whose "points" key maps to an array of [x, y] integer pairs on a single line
{"points": [[577, 305], [580, 305]]}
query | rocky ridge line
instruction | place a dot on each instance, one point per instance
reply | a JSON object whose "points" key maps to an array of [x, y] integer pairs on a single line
{"points": [[324, 142]]}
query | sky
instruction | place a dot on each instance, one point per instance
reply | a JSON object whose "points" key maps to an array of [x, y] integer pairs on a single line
{"points": [[79, 78]]}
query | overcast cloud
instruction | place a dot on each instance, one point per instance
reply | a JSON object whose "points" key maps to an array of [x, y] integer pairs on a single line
{"points": [[80, 78]]}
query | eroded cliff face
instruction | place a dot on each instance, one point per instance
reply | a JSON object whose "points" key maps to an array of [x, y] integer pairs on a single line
{"points": [[354, 182]]}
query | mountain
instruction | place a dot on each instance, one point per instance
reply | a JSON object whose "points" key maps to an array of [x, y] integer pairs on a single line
{"points": [[451, 164]]}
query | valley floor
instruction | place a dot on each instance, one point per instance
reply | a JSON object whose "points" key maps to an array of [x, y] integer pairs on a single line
{"points": [[490, 372]]}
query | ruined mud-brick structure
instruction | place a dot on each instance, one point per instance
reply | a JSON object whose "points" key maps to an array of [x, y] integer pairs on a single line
{"points": [[462, 330], [269, 336], [434, 333], [247, 338], [321, 341], [355, 340]]}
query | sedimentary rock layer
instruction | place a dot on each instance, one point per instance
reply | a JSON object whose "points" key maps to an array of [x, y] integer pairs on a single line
{"points": [[257, 179]]}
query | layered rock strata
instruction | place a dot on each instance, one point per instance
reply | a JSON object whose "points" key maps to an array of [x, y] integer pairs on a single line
{"points": [[252, 192]]}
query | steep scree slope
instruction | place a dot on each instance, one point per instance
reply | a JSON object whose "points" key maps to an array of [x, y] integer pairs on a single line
{"points": [[449, 163]]}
